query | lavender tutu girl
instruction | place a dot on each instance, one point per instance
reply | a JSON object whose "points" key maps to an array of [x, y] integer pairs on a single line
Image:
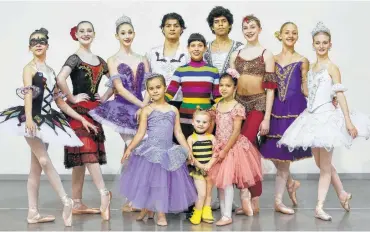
{"points": [[156, 177]]}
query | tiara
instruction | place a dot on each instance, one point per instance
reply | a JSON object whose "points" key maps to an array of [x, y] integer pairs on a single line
{"points": [[123, 19], [320, 27], [151, 75]]}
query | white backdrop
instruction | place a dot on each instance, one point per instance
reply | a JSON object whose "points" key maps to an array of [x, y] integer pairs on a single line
{"points": [[348, 22]]}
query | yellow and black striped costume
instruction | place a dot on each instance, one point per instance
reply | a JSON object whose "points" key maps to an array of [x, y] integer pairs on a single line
{"points": [[202, 151]]}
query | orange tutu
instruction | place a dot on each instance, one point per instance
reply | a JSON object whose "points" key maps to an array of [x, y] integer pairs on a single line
{"points": [[241, 166]]}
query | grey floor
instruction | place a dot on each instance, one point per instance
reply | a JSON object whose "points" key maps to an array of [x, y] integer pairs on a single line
{"points": [[13, 211]]}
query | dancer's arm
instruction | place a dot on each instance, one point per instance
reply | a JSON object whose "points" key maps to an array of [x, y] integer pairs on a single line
{"points": [[147, 69], [196, 162], [28, 73], [112, 66], [338, 88], [213, 159], [140, 133], [180, 136], [174, 86], [63, 106], [62, 77], [269, 83], [304, 69]]}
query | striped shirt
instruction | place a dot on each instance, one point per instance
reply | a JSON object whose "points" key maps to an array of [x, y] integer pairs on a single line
{"points": [[199, 82]]}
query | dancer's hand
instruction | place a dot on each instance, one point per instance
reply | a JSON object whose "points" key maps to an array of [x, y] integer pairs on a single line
{"points": [[98, 98], [30, 127], [335, 102], [80, 98], [87, 125], [351, 129], [264, 127], [191, 158], [137, 115], [222, 154], [126, 155], [207, 166]]}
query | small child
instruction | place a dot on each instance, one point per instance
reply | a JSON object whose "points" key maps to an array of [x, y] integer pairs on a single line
{"points": [[156, 177], [235, 161], [201, 144]]}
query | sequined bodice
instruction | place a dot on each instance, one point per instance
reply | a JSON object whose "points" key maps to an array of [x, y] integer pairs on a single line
{"points": [[86, 77], [255, 67], [289, 80], [319, 88], [132, 82], [225, 121], [160, 128]]}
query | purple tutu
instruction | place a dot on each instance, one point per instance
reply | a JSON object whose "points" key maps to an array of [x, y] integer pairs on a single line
{"points": [[120, 113], [156, 176], [289, 103]]}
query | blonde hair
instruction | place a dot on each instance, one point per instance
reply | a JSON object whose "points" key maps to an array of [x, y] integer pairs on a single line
{"points": [[278, 33], [200, 111]]}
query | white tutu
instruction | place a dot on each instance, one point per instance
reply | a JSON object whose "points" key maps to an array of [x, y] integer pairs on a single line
{"points": [[325, 128], [12, 126]]}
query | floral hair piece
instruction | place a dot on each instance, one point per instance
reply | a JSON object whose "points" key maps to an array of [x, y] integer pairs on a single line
{"points": [[73, 33], [233, 73]]}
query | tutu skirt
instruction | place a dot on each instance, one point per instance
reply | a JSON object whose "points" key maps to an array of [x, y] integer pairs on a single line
{"points": [[158, 179], [324, 128], [51, 128], [241, 166]]}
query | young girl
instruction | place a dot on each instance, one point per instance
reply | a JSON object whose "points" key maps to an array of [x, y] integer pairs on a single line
{"points": [[41, 125], [322, 126], [86, 71], [236, 160], [126, 69], [201, 144], [156, 177], [291, 77]]}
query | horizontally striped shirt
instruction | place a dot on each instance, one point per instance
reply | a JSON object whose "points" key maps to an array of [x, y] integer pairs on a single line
{"points": [[199, 82]]}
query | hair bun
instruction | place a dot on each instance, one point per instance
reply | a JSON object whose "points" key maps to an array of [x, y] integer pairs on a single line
{"points": [[277, 34], [44, 31]]}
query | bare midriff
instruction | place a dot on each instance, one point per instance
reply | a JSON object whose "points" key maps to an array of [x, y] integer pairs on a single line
{"points": [[249, 85]]}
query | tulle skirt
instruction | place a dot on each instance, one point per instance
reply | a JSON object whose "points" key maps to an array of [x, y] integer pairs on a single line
{"points": [[241, 166], [324, 128], [149, 185], [51, 128]]}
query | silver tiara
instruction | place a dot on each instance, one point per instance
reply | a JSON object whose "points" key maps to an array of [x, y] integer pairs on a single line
{"points": [[150, 75], [320, 27], [123, 19]]}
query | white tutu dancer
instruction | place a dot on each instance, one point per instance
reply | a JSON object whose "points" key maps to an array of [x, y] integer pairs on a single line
{"points": [[322, 124]]}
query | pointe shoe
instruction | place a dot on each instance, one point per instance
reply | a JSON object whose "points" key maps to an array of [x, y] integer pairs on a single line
{"points": [[345, 202], [105, 214], [224, 221], [80, 208], [37, 218], [67, 210], [292, 191], [320, 213], [280, 207]]}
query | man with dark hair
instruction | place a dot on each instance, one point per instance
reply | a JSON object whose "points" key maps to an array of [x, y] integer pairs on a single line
{"points": [[220, 21], [165, 59]]}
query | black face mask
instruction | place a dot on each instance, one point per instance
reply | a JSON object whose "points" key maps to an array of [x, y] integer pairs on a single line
{"points": [[42, 41]]}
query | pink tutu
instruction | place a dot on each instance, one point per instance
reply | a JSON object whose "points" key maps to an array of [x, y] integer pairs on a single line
{"points": [[241, 166]]}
